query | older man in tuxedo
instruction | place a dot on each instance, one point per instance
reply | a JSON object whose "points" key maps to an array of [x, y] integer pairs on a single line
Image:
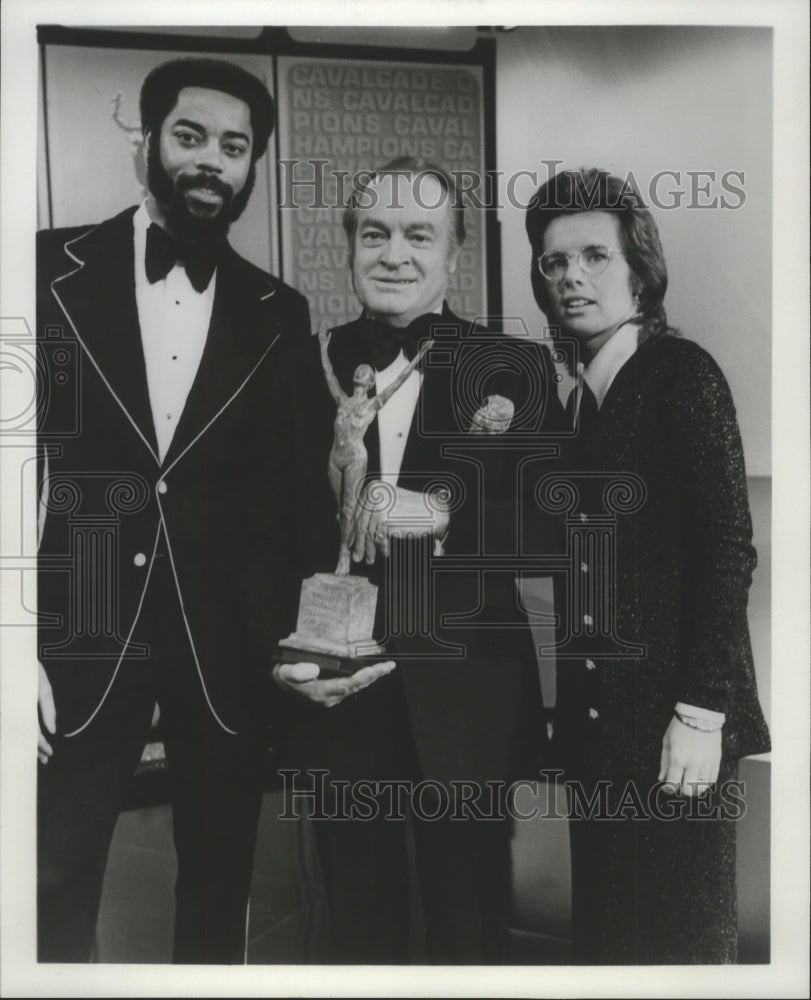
{"points": [[462, 708], [181, 441]]}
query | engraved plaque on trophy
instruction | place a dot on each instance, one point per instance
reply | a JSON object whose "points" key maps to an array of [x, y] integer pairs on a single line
{"points": [[335, 621]]}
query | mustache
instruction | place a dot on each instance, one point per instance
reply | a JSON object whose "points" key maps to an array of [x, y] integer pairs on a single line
{"points": [[205, 182]]}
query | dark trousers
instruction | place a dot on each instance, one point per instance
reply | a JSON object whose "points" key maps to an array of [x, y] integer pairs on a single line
{"points": [[463, 863], [216, 792], [463, 873]]}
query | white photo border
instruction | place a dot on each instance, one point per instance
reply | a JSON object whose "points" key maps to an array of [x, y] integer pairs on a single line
{"points": [[787, 974]]}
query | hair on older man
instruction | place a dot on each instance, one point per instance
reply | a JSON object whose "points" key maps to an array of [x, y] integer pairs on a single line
{"points": [[412, 167]]}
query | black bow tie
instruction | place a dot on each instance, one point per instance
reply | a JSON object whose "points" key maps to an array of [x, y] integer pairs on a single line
{"points": [[163, 252], [385, 342]]}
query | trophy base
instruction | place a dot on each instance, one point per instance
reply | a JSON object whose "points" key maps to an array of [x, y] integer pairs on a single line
{"points": [[335, 623], [331, 664]]}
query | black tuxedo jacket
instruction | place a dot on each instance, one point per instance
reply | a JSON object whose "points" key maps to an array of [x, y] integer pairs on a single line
{"points": [[464, 653], [223, 504]]}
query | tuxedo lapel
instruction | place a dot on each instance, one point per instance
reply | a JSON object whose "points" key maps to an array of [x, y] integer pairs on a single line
{"points": [[434, 418], [372, 441], [243, 329], [432, 414], [96, 293]]}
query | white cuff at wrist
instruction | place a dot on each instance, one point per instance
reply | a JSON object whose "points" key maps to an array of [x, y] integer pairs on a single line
{"points": [[700, 713], [702, 725]]}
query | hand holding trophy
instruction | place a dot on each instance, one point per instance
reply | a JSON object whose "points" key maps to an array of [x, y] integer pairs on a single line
{"points": [[337, 611]]}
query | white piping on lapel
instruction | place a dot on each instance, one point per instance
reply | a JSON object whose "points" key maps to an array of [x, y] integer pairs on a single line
{"points": [[165, 471], [224, 406], [115, 396], [232, 732], [95, 711], [42, 509], [247, 929]]}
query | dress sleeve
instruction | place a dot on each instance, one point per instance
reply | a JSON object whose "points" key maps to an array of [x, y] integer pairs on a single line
{"points": [[706, 443]]}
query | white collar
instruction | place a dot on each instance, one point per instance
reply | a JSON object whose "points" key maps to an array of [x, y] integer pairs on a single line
{"points": [[140, 222], [606, 363]]}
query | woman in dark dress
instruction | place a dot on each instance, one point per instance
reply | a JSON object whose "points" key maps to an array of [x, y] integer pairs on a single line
{"points": [[656, 688]]}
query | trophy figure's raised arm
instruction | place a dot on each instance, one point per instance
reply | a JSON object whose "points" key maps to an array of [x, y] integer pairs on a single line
{"points": [[348, 456]]}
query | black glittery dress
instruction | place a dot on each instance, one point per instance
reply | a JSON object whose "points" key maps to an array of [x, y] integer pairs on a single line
{"points": [[654, 612]]}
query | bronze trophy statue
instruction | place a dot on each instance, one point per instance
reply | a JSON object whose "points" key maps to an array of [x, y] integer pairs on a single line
{"points": [[337, 611]]}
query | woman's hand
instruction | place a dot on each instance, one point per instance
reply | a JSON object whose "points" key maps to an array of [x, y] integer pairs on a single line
{"points": [[302, 679], [690, 759]]}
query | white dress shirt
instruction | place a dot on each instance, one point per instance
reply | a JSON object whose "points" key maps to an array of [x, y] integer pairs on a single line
{"points": [[394, 423], [394, 419], [174, 321]]}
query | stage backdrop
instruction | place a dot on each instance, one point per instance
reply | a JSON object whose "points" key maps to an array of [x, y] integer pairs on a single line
{"points": [[93, 158], [337, 116]]}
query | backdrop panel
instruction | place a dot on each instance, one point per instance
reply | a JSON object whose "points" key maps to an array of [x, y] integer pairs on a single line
{"points": [[341, 117]]}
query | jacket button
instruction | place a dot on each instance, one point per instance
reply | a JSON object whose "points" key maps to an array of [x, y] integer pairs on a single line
{"points": [[139, 559], [162, 487]]}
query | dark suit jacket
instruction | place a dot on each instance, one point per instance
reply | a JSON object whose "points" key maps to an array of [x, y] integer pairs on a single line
{"points": [[469, 680], [679, 572], [225, 496]]}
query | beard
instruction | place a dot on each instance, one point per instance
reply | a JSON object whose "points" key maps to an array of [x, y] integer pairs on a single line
{"points": [[208, 223]]}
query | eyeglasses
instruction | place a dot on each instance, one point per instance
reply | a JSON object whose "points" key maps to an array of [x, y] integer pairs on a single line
{"points": [[591, 259]]}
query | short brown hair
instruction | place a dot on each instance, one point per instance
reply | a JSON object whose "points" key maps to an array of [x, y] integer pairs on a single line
{"points": [[593, 190]]}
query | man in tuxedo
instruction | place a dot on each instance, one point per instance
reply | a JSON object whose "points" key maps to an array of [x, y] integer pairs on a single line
{"points": [[463, 705], [168, 563]]}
